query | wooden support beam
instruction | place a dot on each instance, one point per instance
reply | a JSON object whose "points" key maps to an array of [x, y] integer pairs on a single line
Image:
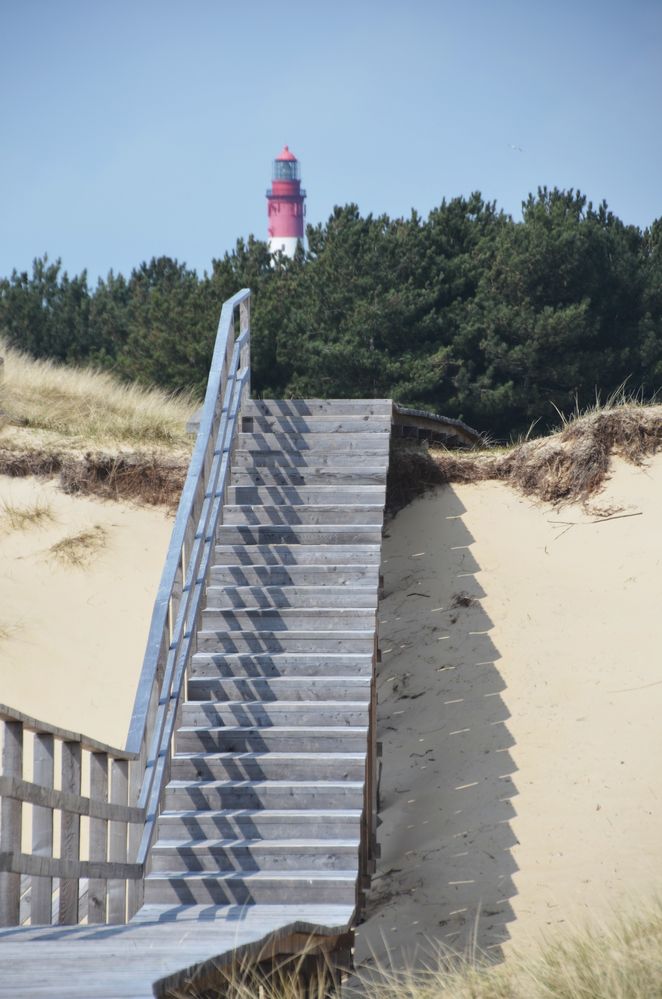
{"points": [[117, 842], [96, 892], [10, 823], [43, 771], [70, 832]]}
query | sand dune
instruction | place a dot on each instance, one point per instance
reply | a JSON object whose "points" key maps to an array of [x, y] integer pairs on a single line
{"points": [[72, 634], [520, 696]]}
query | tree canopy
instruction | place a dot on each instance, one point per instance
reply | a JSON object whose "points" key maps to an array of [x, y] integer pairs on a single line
{"points": [[467, 312]]}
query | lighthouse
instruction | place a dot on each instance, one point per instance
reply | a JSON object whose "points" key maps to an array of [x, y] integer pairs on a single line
{"points": [[285, 205]]}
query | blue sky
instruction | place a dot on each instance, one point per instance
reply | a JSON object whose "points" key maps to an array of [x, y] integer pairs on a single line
{"points": [[134, 129]]}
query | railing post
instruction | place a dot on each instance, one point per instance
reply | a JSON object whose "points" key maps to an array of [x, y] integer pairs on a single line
{"points": [[41, 898], [96, 889], [70, 833], [119, 795], [245, 353], [10, 824], [135, 889]]}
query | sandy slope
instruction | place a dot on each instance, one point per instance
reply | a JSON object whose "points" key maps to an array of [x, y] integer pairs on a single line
{"points": [[72, 638], [520, 704]]}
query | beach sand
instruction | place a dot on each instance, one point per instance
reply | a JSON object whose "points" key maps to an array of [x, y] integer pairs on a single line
{"points": [[72, 637], [520, 696]]}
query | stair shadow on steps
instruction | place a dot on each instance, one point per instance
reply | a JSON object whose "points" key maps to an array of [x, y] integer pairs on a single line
{"points": [[446, 871]]}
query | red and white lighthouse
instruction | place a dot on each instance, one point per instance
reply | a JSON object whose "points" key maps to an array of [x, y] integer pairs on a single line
{"points": [[285, 201]]}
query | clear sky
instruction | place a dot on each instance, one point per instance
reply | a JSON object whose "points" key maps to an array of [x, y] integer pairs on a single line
{"points": [[134, 128]]}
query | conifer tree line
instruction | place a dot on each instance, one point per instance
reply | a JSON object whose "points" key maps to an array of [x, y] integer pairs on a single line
{"points": [[466, 312]]}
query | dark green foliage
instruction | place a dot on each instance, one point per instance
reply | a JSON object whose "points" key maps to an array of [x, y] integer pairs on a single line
{"points": [[466, 312]]}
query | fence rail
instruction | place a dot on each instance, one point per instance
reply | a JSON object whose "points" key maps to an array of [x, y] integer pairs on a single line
{"points": [[125, 786]]}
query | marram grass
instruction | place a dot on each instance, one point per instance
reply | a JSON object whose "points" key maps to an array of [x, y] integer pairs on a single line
{"points": [[621, 959], [89, 406]]}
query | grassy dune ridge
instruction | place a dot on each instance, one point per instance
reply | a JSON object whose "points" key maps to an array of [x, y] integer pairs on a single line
{"points": [[87, 406], [97, 434]]}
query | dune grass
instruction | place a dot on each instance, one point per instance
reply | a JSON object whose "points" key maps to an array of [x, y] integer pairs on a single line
{"points": [[568, 466], [79, 550], [88, 406], [620, 959], [19, 518]]}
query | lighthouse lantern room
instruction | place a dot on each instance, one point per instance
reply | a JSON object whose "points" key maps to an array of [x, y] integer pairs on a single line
{"points": [[286, 208]]}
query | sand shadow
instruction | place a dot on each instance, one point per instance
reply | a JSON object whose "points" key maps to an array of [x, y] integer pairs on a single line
{"points": [[446, 870]]}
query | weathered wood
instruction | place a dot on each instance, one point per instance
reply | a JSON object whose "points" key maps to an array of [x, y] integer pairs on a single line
{"points": [[117, 841], [41, 899], [57, 867], [44, 797], [70, 832], [96, 889], [10, 822], [34, 725]]}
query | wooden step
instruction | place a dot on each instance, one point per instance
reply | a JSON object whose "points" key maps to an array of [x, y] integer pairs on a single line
{"points": [[249, 474], [351, 577], [361, 555], [317, 642], [211, 714], [324, 794], [306, 461], [296, 496], [268, 766], [290, 823], [250, 887], [297, 426], [321, 513], [288, 596], [273, 856], [285, 664], [305, 534], [288, 618], [288, 688], [317, 407], [276, 739], [317, 443]]}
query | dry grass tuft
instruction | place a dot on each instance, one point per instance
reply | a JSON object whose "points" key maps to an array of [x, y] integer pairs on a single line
{"points": [[21, 517], [80, 549], [88, 406], [5, 632], [620, 960], [568, 466]]}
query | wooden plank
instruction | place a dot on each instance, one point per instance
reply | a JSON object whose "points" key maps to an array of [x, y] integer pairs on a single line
{"points": [[134, 890], [34, 725], [117, 841], [41, 900], [70, 832], [34, 794], [11, 822], [96, 890], [54, 867]]}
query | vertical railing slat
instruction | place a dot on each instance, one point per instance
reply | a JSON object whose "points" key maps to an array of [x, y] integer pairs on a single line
{"points": [[41, 908], [70, 833], [96, 892], [117, 840], [11, 814]]}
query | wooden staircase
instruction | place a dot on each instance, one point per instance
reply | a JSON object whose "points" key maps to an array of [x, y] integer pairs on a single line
{"points": [[238, 822], [268, 777]]}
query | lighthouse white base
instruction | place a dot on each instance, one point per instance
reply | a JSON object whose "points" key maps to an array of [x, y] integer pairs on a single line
{"points": [[283, 244]]}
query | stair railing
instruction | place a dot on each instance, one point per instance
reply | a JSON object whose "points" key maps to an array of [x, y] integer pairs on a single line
{"points": [[122, 811]]}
